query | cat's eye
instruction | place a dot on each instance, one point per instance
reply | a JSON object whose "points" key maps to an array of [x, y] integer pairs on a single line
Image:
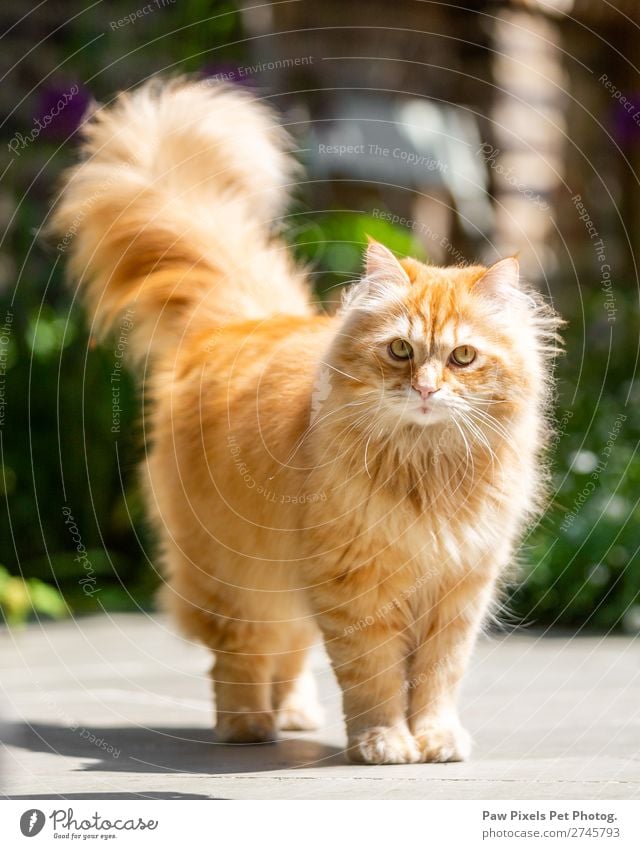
{"points": [[400, 349], [463, 355]]}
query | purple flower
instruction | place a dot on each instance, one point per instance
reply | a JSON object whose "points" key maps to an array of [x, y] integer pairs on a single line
{"points": [[226, 72], [60, 109], [625, 123]]}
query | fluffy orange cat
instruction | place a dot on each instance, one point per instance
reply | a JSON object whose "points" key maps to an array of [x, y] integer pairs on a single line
{"points": [[366, 475]]}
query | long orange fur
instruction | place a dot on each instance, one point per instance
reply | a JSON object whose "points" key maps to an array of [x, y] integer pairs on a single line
{"points": [[297, 480]]}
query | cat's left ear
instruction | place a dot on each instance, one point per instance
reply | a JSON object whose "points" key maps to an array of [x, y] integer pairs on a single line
{"points": [[501, 280]]}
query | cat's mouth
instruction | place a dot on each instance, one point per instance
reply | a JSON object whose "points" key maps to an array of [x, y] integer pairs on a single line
{"points": [[426, 412], [411, 409], [431, 410]]}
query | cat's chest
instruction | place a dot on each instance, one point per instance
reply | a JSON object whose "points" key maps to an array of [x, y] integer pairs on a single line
{"points": [[420, 534], [410, 519]]}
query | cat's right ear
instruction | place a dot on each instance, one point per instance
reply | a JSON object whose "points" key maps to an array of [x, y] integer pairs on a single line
{"points": [[381, 263], [383, 280]]}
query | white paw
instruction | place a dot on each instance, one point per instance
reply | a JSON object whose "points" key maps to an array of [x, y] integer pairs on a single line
{"points": [[442, 742], [299, 710], [383, 745], [292, 717]]}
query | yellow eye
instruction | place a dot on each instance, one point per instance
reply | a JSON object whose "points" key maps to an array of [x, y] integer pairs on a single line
{"points": [[463, 355], [400, 349]]}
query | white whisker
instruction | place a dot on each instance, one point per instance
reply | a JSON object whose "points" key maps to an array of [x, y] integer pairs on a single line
{"points": [[343, 373]]}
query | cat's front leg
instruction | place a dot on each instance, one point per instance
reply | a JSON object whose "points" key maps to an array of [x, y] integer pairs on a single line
{"points": [[438, 666], [369, 662]]}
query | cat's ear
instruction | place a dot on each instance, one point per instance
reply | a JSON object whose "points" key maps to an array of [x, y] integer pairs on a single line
{"points": [[384, 279], [501, 280], [381, 264]]}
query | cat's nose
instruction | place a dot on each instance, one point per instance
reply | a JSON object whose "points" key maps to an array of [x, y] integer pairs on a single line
{"points": [[425, 389]]}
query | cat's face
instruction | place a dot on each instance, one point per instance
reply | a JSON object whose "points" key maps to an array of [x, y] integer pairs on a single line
{"points": [[430, 346]]}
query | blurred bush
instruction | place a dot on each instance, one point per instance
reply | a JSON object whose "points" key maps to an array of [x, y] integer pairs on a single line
{"points": [[582, 562], [19, 599], [58, 450], [332, 245]]}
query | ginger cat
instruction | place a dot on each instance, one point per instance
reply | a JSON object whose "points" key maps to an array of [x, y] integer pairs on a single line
{"points": [[367, 474]]}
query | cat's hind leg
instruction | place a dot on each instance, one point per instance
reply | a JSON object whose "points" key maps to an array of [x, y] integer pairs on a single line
{"points": [[244, 651], [242, 676], [295, 697]]}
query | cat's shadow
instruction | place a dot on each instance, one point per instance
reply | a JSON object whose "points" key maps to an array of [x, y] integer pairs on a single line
{"points": [[168, 750]]}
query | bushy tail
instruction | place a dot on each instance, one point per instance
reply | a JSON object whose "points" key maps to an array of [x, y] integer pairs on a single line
{"points": [[170, 210]]}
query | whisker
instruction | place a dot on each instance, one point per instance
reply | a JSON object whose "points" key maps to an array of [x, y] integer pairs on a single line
{"points": [[298, 444], [480, 437], [491, 422], [462, 434], [343, 373]]}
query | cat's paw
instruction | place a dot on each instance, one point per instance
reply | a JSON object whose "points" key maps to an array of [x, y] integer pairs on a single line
{"points": [[442, 742], [246, 727], [299, 710], [302, 717], [383, 745]]}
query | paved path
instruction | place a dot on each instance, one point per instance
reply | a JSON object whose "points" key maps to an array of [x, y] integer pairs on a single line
{"points": [[118, 706]]}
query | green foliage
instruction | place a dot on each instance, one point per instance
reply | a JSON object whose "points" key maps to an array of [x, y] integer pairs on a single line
{"points": [[333, 244], [19, 598], [58, 449], [582, 561]]}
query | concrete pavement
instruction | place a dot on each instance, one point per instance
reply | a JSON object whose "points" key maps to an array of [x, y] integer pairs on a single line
{"points": [[118, 706]]}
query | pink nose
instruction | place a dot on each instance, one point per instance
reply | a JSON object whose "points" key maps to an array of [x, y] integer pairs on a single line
{"points": [[425, 390]]}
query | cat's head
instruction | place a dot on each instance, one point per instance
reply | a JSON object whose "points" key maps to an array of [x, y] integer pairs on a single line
{"points": [[427, 346]]}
